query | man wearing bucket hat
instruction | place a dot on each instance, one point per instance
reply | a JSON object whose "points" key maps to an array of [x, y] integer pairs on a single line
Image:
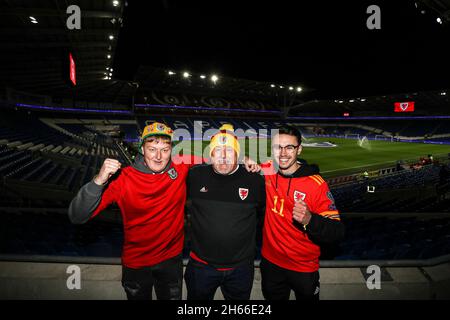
{"points": [[153, 218], [151, 195], [226, 204]]}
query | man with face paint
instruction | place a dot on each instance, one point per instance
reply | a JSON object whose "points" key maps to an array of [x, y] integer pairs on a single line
{"points": [[151, 195], [226, 204]]}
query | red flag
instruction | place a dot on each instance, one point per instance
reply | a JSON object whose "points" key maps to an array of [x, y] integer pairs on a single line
{"points": [[404, 106], [73, 77]]}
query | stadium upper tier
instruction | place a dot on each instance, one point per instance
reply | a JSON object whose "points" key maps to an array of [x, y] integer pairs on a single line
{"points": [[420, 128]]}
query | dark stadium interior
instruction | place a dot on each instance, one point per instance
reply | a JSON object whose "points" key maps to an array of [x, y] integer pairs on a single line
{"points": [[315, 66]]}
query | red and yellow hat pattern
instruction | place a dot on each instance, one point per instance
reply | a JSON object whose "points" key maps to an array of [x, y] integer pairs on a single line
{"points": [[156, 129]]}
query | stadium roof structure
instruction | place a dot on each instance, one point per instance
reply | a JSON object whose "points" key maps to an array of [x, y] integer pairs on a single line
{"points": [[35, 43], [257, 50], [322, 46], [152, 79], [426, 103]]}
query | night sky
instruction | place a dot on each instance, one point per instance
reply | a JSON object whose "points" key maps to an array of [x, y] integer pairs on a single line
{"points": [[325, 46]]}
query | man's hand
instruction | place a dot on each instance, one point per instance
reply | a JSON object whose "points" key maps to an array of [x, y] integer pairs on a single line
{"points": [[251, 166], [301, 212], [109, 167]]}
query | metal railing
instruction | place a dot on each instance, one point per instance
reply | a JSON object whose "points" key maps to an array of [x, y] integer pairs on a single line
{"points": [[323, 263]]}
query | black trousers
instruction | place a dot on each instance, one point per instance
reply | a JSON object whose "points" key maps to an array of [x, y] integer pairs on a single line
{"points": [[167, 277], [277, 283], [203, 280]]}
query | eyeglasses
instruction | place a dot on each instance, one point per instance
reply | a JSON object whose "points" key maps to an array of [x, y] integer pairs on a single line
{"points": [[289, 148]]}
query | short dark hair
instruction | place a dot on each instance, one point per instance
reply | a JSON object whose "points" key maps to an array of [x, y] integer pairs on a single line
{"points": [[291, 131]]}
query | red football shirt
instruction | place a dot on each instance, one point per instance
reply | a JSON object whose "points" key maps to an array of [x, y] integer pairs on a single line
{"points": [[284, 244], [152, 207]]}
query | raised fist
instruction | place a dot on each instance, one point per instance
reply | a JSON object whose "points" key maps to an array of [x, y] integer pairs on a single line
{"points": [[109, 167]]}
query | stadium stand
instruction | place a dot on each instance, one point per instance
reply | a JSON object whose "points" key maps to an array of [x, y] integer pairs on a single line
{"points": [[20, 165], [37, 153], [391, 187], [368, 238], [405, 220]]}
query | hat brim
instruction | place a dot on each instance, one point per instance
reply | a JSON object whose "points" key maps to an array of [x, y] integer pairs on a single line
{"points": [[154, 134]]}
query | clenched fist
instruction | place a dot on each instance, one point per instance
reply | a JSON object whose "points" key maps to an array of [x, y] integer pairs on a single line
{"points": [[301, 212], [109, 167]]}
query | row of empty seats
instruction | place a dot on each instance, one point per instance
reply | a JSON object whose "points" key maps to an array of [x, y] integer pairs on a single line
{"points": [[394, 238], [354, 197], [31, 151], [366, 238], [22, 166]]}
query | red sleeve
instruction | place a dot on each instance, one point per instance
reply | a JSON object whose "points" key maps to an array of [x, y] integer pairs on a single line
{"points": [[267, 168], [110, 194], [324, 203]]}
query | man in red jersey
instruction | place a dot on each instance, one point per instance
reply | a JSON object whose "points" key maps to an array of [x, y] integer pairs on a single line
{"points": [[151, 195], [300, 216]]}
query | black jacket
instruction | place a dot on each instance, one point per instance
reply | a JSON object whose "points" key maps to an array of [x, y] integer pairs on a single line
{"points": [[224, 211]]}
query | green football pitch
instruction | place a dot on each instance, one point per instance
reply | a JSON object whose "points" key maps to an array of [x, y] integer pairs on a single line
{"points": [[349, 157]]}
